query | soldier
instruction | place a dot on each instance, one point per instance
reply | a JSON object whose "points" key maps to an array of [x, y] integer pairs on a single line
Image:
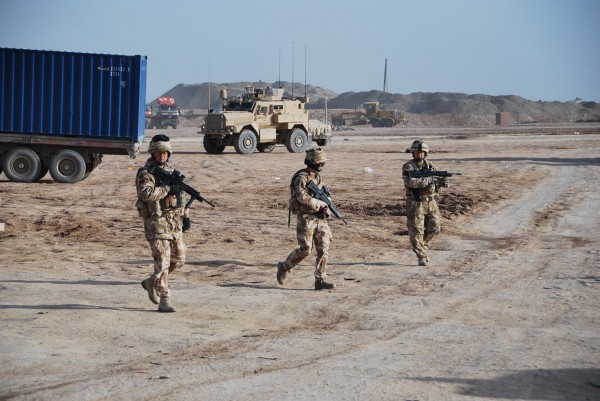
{"points": [[422, 213], [165, 220], [311, 220]]}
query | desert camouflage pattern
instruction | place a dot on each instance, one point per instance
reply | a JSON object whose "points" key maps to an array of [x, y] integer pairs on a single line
{"points": [[163, 223], [423, 217], [301, 199], [311, 226]]}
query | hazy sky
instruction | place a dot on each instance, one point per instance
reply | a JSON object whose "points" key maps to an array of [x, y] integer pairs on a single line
{"points": [[537, 49]]}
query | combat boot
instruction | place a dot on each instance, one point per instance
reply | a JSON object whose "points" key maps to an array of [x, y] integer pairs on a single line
{"points": [[281, 273], [165, 305], [147, 285], [321, 284], [422, 261]]}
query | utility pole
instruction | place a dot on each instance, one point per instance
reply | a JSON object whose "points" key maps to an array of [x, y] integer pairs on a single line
{"points": [[385, 77]]}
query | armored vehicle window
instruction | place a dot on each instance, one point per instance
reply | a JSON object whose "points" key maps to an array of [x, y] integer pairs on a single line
{"points": [[247, 106], [262, 110], [277, 107]]}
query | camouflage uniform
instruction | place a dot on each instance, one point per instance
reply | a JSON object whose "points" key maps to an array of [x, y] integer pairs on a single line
{"points": [[423, 216], [163, 213], [311, 225]]}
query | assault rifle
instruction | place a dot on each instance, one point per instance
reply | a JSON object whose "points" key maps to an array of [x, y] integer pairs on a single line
{"points": [[176, 179], [430, 173], [323, 194]]}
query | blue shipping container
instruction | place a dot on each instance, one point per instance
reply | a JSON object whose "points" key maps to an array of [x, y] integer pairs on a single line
{"points": [[72, 94]]}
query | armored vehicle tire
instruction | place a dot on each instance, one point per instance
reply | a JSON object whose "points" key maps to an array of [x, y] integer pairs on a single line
{"points": [[296, 141], [324, 141], [211, 146], [265, 147], [21, 165], [376, 123], [245, 142], [389, 122], [67, 166]]}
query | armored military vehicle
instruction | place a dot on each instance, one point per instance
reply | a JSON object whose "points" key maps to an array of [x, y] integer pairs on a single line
{"points": [[259, 119]]}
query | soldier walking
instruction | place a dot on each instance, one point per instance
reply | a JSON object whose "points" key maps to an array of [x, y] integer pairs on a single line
{"points": [[311, 220], [422, 213], [165, 220]]}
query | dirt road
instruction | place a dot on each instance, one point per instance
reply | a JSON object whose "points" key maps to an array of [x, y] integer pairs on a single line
{"points": [[507, 308]]}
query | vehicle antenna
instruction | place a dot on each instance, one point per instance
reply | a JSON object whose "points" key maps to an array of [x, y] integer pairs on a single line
{"points": [[292, 70], [305, 71]]}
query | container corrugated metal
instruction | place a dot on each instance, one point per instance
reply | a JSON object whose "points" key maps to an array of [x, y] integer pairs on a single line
{"points": [[72, 94]]}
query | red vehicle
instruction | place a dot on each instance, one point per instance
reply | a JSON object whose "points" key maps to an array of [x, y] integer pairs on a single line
{"points": [[165, 115]]}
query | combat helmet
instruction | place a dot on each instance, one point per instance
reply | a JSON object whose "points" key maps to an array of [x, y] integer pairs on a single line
{"points": [[314, 156], [160, 143], [419, 146]]}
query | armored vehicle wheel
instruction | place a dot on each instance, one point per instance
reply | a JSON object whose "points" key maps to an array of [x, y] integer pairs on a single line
{"points": [[245, 142], [324, 141], [389, 122], [212, 146], [67, 166], [296, 141], [377, 123], [265, 147], [21, 165]]}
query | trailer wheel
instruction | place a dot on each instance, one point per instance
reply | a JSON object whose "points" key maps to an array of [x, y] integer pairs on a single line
{"points": [[265, 147], [67, 166], [245, 142], [89, 167], [212, 146], [21, 165], [42, 173], [296, 141]]}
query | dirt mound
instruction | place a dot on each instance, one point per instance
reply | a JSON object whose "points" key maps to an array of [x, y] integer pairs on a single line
{"points": [[206, 95], [458, 109]]}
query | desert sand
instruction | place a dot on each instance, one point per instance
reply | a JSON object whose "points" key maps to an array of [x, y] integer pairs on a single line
{"points": [[506, 309]]}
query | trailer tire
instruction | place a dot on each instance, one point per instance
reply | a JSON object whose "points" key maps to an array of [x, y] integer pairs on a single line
{"points": [[67, 166], [21, 165], [265, 147], [245, 142], [42, 173], [296, 141]]}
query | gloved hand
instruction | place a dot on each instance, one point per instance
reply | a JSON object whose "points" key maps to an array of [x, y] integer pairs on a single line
{"points": [[187, 224], [443, 182]]}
